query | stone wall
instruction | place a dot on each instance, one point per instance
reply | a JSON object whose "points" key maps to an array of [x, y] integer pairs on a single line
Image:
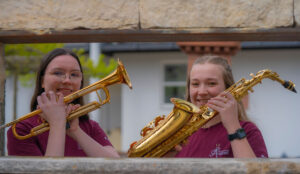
{"points": [[43, 16], [142, 165]]}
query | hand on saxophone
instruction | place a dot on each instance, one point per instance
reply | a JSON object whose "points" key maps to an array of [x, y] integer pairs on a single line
{"points": [[227, 107]]}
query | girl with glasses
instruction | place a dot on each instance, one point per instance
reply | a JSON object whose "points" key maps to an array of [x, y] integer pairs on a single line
{"points": [[60, 74]]}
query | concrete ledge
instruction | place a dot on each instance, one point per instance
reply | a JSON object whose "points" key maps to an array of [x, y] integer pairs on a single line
{"points": [[141, 165]]}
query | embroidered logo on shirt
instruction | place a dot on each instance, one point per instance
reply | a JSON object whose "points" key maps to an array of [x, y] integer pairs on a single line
{"points": [[218, 152]]}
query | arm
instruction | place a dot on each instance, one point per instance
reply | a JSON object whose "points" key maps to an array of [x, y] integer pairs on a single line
{"points": [[90, 146], [54, 111], [94, 143], [241, 147], [226, 105]]}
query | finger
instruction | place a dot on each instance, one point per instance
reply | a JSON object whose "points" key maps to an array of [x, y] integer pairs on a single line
{"points": [[40, 102], [217, 102], [228, 95], [220, 99], [69, 109], [60, 98], [76, 106], [178, 148], [214, 107], [52, 96], [44, 97]]}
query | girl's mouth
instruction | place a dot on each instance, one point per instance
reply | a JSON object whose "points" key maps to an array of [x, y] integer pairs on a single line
{"points": [[65, 91]]}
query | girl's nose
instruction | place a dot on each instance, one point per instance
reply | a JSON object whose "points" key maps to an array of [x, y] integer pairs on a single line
{"points": [[67, 79], [202, 89]]}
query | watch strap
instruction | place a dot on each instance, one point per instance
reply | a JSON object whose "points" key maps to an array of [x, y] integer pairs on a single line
{"points": [[239, 134]]}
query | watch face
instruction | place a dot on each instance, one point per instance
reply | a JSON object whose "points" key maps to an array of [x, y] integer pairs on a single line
{"points": [[241, 133]]}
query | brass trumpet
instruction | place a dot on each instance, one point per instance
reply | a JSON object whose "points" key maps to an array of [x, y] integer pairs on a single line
{"points": [[117, 77]]}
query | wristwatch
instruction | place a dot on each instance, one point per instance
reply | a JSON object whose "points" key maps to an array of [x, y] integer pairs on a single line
{"points": [[239, 134]]}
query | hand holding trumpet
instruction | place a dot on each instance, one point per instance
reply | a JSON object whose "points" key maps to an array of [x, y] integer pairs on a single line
{"points": [[55, 111]]}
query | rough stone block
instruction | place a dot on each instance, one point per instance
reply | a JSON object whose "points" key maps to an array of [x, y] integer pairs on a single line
{"points": [[40, 16], [297, 12], [216, 13]]}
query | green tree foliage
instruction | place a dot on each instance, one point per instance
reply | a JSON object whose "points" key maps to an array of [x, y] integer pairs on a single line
{"points": [[22, 60], [93, 69]]}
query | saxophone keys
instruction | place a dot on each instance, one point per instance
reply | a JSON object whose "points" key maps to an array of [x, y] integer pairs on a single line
{"points": [[132, 144], [158, 120], [145, 131]]}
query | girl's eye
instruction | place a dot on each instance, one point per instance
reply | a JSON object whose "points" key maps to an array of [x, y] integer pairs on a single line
{"points": [[194, 84], [76, 75], [212, 83], [59, 73]]}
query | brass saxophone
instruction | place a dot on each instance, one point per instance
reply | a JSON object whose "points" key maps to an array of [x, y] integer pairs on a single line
{"points": [[164, 133]]}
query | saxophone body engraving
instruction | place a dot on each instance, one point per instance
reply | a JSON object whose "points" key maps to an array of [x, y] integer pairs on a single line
{"points": [[163, 134]]}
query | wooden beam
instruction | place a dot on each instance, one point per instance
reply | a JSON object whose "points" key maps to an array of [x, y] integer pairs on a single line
{"points": [[2, 99], [154, 35]]}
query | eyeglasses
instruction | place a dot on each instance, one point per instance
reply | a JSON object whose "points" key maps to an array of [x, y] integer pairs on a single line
{"points": [[74, 76]]}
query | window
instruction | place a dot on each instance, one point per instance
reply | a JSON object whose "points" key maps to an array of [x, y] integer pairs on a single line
{"points": [[174, 81]]}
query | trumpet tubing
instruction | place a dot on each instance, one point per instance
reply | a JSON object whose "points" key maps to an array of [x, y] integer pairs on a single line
{"points": [[117, 77], [182, 122]]}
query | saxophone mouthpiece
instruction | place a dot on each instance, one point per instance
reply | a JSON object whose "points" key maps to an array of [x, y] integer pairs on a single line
{"points": [[290, 86]]}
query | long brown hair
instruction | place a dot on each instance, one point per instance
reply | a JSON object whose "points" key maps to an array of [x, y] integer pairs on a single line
{"points": [[227, 76], [41, 72]]}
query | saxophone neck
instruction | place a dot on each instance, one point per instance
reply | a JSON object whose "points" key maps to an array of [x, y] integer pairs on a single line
{"points": [[274, 76], [241, 88]]}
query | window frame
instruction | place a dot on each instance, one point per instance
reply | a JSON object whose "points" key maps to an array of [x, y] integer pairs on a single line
{"points": [[169, 83]]}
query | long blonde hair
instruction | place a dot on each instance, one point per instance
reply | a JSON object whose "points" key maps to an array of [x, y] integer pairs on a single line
{"points": [[227, 76]]}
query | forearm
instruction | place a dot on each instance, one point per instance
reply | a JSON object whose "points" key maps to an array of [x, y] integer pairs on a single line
{"points": [[56, 141], [91, 147], [242, 149]]}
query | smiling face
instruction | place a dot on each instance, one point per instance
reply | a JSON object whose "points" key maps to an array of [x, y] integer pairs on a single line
{"points": [[62, 75], [206, 81]]}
